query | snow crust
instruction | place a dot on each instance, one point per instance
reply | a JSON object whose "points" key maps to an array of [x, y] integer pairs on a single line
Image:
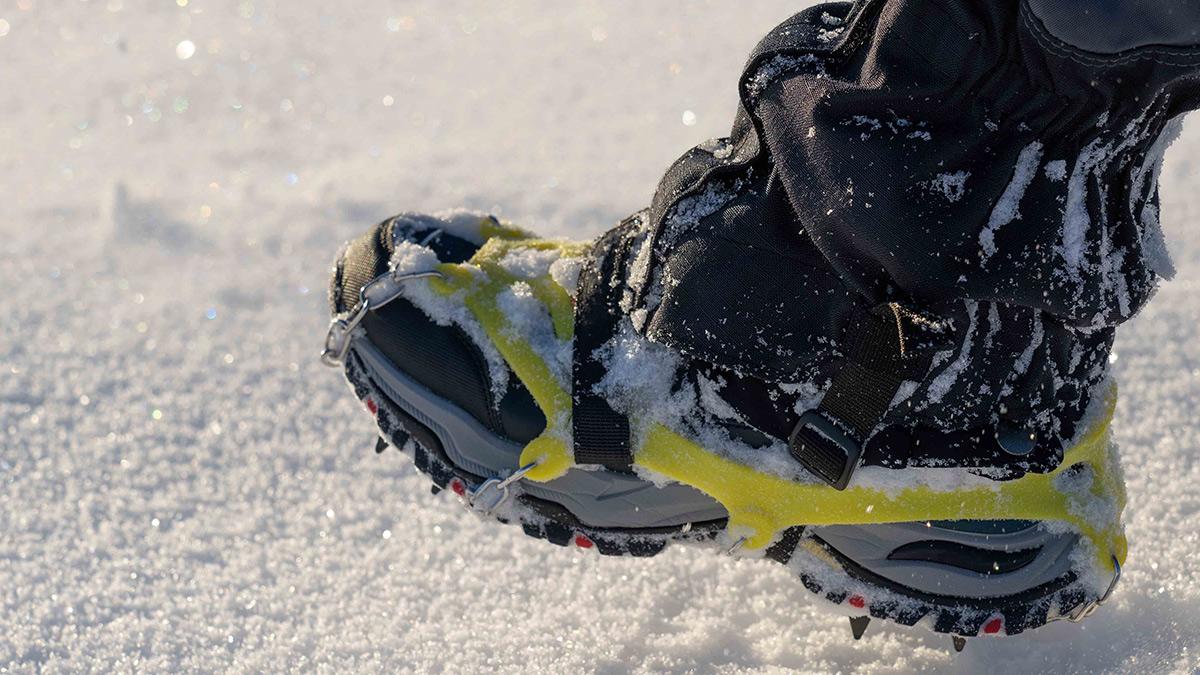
{"points": [[1106, 260], [183, 487], [945, 379], [951, 186], [1006, 209]]}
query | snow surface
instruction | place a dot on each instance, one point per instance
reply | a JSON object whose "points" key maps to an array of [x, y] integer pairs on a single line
{"points": [[185, 487]]}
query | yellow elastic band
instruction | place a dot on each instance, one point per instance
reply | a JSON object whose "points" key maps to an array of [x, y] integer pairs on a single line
{"points": [[762, 505]]}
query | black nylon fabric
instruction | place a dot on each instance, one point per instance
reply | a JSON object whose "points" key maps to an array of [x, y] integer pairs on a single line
{"points": [[365, 258], [766, 409], [748, 291], [600, 433], [948, 154], [1115, 26], [949, 87]]}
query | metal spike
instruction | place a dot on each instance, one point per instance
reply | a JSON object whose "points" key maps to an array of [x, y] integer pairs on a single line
{"points": [[380, 445], [858, 625], [435, 490], [959, 642]]}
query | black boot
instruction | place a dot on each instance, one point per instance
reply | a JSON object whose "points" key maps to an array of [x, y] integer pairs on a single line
{"points": [[865, 336]]}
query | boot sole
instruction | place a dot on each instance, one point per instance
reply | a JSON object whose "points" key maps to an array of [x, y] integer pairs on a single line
{"points": [[543, 512]]}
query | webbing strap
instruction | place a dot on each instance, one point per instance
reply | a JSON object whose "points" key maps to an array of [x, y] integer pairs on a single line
{"points": [[881, 355], [601, 434], [861, 391]]}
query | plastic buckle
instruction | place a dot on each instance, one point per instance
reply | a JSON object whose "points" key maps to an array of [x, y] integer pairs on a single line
{"points": [[827, 450]]}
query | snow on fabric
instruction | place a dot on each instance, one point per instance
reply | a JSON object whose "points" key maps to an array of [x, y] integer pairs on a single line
{"points": [[410, 257], [779, 66], [1005, 210], [951, 186], [1145, 180], [1079, 232]]}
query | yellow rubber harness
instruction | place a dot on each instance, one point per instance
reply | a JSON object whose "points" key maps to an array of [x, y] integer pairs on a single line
{"points": [[762, 505]]}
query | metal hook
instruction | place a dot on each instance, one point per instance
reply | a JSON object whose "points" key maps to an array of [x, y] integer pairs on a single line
{"points": [[493, 492], [337, 339], [1084, 611], [430, 237]]}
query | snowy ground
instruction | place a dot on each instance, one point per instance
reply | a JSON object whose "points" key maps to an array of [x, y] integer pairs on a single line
{"points": [[186, 487]]}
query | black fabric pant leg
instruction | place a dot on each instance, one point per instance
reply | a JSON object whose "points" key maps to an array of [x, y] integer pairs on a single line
{"points": [[1114, 26]]}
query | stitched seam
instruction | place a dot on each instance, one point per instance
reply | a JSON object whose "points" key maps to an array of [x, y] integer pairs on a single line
{"points": [[1061, 48]]}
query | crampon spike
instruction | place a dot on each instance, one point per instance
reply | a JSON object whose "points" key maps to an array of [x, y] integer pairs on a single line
{"points": [[959, 642], [858, 625], [380, 446]]}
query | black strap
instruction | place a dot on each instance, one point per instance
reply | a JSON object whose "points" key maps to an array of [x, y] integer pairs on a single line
{"points": [[601, 434], [886, 346]]}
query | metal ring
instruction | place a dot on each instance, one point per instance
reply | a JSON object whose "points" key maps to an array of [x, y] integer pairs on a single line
{"points": [[337, 339], [1084, 611], [1113, 584], [498, 487], [430, 237]]}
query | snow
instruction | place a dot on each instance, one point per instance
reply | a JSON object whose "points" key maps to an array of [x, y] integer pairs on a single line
{"points": [[565, 273], [777, 66], [1056, 170], [944, 380], [951, 186], [529, 321], [711, 401], [689, 211], [186, 488], [1006, 209], [1093, 160], [1153, 245], [1021, 365]]}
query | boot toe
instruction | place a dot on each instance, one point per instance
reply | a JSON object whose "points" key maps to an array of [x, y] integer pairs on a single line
{"points": [[443, 358]]}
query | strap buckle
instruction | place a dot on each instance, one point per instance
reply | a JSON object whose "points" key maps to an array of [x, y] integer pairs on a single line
{"points": [[827, 450]]}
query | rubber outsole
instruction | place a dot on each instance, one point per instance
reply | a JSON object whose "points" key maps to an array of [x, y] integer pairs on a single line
{"points": [[858, 590], [602, 498]]}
